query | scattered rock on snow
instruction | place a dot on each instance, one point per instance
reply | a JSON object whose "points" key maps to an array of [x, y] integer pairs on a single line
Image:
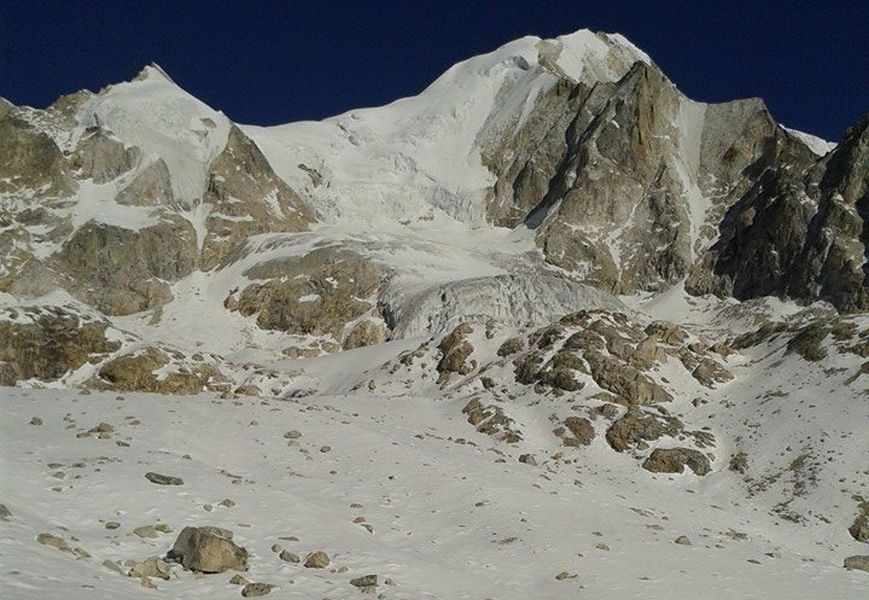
{"points": [[317, 560], [146, 531], [252, 590], [366, 581], [287, 556], [152, 566], [54, 541], [163, 479], [858, 561], [682, 540], [528, 459]]}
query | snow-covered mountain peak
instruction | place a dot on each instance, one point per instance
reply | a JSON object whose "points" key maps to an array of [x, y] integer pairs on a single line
{"points": [[580, 56], [154, 72], [151, 112], [430, 143]]}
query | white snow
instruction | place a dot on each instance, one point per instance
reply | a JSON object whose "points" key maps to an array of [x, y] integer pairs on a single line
{"points": [[156, 115], [819, 146], [419, 157]]}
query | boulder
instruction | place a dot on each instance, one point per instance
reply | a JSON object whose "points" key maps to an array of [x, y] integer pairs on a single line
{"points": [[366, 581], [208, 550], [858, 562], [54, 541], [317, 560], [859, 530], [161, 479], [252, 590]]}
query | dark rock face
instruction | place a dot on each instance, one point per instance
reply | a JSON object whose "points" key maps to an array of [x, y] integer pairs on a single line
{"points": [[799, 231], [102, 158]]}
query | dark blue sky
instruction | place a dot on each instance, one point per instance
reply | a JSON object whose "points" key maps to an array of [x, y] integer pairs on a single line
{"points": [[273, 62]]}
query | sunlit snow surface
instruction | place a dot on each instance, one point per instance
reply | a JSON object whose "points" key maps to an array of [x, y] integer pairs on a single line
{"points": [[449, 522]]}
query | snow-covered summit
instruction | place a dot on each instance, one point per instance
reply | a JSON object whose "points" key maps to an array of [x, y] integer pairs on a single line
{"points": [[153, 113], [420, 156]]}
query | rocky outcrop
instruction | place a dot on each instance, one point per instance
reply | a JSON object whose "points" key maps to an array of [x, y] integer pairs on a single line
{"points": [[101, 157], [636, 427], [629, 385], [47, 343], [31, 161], [455, 350], [674, 460], [162, 371], [318, 293], [246, 198], [122, 271], [491, 420], [364, 333], [615, 353]]}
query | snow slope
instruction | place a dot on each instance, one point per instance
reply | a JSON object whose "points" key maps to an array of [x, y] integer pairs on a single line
{"points": [[449, 519]]}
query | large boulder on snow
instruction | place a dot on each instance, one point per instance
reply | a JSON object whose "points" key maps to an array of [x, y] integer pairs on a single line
{"points": [[208, 550]]}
